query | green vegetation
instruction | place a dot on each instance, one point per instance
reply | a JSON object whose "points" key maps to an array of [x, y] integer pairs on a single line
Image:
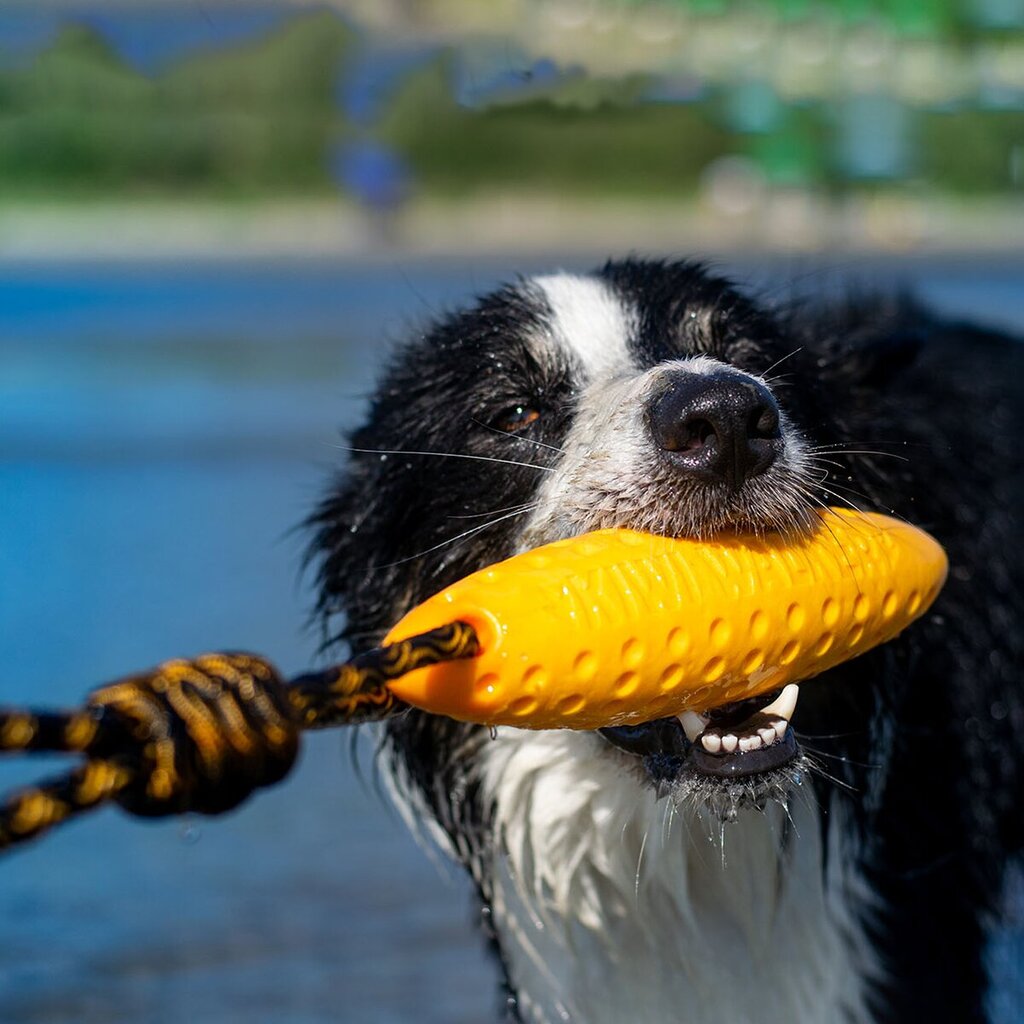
{"points": [[264, 119], [251, 120], [961, 19], [972, 151], [591, 143]]}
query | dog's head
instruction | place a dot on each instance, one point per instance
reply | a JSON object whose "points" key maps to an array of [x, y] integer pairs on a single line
{"points": [[649, 395]]}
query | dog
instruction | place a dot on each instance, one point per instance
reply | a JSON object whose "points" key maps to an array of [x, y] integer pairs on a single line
{"points": [[850, 869]]}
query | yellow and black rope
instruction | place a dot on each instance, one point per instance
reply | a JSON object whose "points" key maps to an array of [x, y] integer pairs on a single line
{"points": [[201, 735]]}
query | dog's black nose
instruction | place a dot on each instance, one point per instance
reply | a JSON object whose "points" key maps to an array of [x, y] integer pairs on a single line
{"points": [[720, 427]]}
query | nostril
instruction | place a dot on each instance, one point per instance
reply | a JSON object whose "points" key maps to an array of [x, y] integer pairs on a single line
{"points": [[764, 423], [696, 434]]}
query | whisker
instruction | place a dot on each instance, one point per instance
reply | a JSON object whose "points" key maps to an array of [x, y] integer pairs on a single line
{"points": [[823, 505], [819, 770], [519, 437], [458, 537], [639, 864], [444, 455], [839, 497], [837, 757], [835, 450], [849, 501], [879, 441], [491, 512], [818, 461], [864, 529], [777, 362], [828, 735], [852, 490]]}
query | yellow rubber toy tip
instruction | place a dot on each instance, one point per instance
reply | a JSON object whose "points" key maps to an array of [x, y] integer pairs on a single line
{"points": [[618, 627]]}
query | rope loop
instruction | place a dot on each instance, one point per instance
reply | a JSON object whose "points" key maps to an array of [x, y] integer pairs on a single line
{"points": [[200, 735], [203, 733]]}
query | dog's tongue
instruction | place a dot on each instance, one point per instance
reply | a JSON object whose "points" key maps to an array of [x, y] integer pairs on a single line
{"points": [[619, 627]]}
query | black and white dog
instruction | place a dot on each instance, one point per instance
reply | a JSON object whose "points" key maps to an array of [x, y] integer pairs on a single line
{"points": [[853, 876]]}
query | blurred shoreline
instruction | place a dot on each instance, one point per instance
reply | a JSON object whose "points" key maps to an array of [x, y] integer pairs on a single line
{"points": [[783, 223]]}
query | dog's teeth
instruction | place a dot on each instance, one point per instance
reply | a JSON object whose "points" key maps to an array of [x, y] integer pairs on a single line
{"points": [[780, 727], [693, 724], [785, 704], [729, 742], [712, 742], [750, 742], [767, 734]]}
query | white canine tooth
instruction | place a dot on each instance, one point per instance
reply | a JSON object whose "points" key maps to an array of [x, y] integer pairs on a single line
{"points": [[693, 724], [729, 742], [712, 742], [780, 727], [751, 742], [767, 734], [785, 704]]}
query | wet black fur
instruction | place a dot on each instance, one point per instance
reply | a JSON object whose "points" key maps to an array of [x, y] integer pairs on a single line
{"points": [[923, 733]]}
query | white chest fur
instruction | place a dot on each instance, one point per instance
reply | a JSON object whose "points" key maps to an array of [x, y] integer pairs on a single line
{"points": [[615, 906]]}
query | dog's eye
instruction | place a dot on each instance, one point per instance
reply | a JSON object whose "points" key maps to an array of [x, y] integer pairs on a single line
{"points": [[515, 417]]}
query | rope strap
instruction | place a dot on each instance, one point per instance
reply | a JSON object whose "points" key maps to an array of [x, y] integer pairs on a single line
{"points": [[201, 735]]}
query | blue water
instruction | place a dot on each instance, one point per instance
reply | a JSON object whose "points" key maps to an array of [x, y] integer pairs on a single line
{"points": [[162, 429]]}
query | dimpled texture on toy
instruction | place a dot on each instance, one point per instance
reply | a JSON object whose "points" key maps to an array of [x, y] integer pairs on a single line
{"points": [[618, 627]]}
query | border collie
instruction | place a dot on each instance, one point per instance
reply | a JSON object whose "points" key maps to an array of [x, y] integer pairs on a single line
{"points": [[852, 875]]}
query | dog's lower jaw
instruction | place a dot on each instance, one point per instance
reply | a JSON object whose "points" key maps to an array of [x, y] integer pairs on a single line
{"points": [[611, 904]]}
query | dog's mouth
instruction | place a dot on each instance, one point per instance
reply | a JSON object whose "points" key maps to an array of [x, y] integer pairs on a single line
{"points": [[742, 739]]}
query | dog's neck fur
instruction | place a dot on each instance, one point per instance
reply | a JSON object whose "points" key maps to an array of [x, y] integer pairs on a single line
{"points": [[612, 905]]}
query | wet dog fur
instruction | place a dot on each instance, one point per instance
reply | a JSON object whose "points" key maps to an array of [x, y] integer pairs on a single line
{"points": [[861, 882]]}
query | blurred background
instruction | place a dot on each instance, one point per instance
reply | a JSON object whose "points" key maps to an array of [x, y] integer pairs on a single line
{"points": [[214, 217]]}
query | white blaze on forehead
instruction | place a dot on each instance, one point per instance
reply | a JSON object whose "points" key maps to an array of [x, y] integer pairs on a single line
{"points": [[589, 321]]}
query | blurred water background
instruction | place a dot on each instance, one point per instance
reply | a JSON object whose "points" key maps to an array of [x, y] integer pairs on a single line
{"points": [[213, 220]]}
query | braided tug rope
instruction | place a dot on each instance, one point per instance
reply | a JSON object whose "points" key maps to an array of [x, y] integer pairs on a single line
{"points": [[609, 628]]}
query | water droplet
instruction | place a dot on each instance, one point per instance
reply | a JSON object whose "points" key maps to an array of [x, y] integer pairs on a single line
{"points": [[190, 832]]}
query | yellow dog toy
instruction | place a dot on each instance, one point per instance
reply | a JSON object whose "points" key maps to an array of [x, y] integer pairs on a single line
{"points": [[618, 627]]}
